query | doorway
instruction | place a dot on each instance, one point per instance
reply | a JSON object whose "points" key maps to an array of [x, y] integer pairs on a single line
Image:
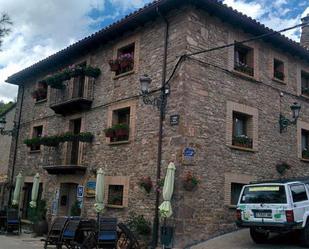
{"points": [[68, 192], [27, 189]]}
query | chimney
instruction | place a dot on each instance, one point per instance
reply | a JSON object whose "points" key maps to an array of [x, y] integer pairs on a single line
{"points": [[304, 38]]}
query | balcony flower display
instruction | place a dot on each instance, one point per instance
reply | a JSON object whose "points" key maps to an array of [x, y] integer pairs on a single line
{"points": [[114, 65], [56, 80], [243, 67], [146, 184], [53, 141], [117, 131], [190, 181], [242, 141]]}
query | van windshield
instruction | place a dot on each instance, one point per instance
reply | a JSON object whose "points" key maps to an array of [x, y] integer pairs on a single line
{"points": [[264, 194]]}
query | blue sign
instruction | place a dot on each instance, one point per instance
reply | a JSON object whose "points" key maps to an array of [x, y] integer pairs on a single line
{"points": [[189, 152], [80, 191]]}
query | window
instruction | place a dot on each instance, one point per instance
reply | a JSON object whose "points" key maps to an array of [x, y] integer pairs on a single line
{"points": [[305, 83], [125, 57], [243, 59], [235, 192], [264, 194], [278, 70], [121, 124], [37, 132], [115, 195], [241, 126], [299, 193], [305, 143], [41, 92]]}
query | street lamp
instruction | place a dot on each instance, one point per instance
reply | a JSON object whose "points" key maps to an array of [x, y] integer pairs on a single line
{"points": [[3, 132], [159, 101], [285, 122]]}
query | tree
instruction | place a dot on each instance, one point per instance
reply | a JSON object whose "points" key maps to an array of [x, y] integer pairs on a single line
{"points": [[5, 21]]}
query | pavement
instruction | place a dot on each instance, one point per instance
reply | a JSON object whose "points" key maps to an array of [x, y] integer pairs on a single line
{"points": [[241, 240], [23, 241]]}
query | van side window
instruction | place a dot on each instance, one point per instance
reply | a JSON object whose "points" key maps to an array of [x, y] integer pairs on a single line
{"points": [[299, 193]]}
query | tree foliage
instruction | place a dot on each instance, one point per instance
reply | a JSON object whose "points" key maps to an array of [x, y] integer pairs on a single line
{"points": [[5, 22], [5, 106]]}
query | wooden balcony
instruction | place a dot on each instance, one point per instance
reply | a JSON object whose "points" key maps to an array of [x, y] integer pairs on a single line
{"points": [[76, 96], [64, 160]]}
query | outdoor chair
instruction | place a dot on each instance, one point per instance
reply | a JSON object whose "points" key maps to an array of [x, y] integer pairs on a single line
{"points": [[70, 232], [13, 221], [126, 239], [54, 235], [107, 233]]}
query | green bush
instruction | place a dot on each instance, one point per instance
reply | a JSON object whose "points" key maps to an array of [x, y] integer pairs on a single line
{"points": [[75, 209], [138, 224], [39, 213]]}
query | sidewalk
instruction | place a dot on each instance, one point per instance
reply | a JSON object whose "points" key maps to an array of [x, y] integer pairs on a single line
{"points": [[23, 241]]}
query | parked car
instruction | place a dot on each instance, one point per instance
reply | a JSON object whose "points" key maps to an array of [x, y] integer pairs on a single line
{"points": [[275, 207]]}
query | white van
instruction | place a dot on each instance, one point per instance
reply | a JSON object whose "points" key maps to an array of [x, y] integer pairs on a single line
{"points": [[274, 207]]}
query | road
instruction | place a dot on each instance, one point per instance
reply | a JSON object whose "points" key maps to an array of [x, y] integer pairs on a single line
{"points": [[241, 240]]}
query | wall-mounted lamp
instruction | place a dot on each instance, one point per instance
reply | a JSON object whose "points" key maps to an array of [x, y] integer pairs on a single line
{"points": [[12, 132], [160, 101], [285, 122]]}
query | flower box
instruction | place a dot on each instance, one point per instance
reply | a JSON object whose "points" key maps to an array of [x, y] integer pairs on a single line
{"points": [[114, 65], [279, 75], [242, 141], [243, 68]]}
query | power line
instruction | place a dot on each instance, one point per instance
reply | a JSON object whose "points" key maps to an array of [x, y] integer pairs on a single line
{"points": [[230, 45]]}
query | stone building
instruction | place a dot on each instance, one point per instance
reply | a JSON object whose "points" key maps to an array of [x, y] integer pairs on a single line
{"points": [[5, 147], [228, 102]]}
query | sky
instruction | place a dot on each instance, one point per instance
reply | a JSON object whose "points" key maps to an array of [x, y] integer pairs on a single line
{"points": [[41, 28]]}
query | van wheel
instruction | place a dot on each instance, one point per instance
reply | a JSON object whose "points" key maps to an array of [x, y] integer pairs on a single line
{"points": [[304, 235], [258, 237]]}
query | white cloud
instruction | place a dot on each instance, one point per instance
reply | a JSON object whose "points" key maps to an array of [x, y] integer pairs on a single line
{"points": [[305, 13], [127, 5], [251, 9]]}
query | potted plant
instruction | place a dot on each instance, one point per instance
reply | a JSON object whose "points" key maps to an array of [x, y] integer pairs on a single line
{"points": [[114, 65], [85, 137], [92, 72], [38, 218], [305, 154], [146, 184], [190, 182], [139, 225], [75, 209], [121, 130], [51, 141], [116, 199]]}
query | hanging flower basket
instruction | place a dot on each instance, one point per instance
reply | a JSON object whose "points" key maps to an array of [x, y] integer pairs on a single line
{"points": [[146, 184], [190, 182]]}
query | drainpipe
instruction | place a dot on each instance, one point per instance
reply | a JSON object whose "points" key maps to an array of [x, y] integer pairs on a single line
{"points": [[162, 112], [16, 145]]}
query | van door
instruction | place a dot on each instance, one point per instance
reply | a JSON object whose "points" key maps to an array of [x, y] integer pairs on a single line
{"points": [[300, 200]]}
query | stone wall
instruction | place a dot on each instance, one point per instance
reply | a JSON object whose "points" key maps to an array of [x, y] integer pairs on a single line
{"points": [[200, 92]]}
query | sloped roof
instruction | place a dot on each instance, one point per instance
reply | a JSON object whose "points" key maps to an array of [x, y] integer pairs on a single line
{"points": [[147, 13]]}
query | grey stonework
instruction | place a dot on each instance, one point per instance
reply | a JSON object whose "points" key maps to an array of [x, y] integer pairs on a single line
{"points": [[304, 38], [200, 91]]}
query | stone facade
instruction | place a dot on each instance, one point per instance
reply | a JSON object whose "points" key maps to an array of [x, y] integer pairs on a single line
{"points": [[5, 146], [204, 92]]}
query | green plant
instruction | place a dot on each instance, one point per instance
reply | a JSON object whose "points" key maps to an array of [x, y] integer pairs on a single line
{"points": [[190, 178], [138, 224], [75, 209], [121, 127], [32, 141], [39, 213], [305, 154], [242, 140]]}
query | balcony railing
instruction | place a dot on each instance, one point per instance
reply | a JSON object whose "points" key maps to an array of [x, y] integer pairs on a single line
{"points": [[62, 159], [75, 97]]}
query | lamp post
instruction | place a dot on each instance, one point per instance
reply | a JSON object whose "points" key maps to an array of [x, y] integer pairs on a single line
{"points": [[3, 132], [285, 122], [160, 103]]}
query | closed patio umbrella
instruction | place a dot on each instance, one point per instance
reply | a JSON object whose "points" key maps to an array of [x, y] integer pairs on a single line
{"points": [[17, 189], [99, 192], [168, 188], [35, 190]]}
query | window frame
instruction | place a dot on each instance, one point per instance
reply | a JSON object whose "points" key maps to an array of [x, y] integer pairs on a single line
{"points": [[37, 86], [296, 185], [34, 135], [304, 72], [117, 180], [280, 64]]}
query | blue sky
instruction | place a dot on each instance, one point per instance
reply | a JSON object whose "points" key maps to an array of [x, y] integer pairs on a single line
{"points": [[42, 28]]}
